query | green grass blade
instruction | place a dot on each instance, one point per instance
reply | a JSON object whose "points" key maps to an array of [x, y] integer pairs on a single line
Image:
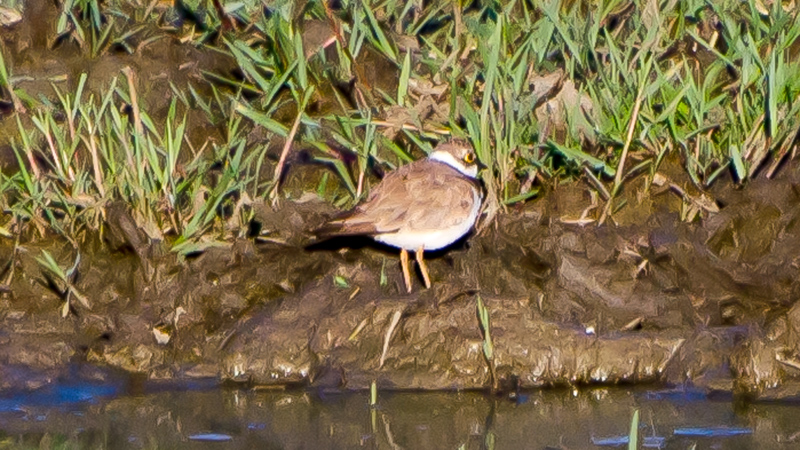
{"points": [[633, 434]]}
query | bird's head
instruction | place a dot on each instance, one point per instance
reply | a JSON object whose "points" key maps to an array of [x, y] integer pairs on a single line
{"points": [[458, 154]]}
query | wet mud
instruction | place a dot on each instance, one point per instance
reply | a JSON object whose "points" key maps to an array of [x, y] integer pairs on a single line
{"points": [[649, 300]]}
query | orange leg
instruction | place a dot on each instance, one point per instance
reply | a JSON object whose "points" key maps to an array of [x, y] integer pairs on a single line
{"points": [[404, 265], [422, 267]]}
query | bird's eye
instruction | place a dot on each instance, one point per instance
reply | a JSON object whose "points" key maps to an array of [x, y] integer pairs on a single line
{"points": [[469, 158]]}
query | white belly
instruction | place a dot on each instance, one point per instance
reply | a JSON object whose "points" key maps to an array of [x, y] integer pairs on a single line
{"points": [[433, 239]]}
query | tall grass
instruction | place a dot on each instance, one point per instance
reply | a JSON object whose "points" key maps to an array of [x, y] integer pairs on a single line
{"points": [[70, 169], [711, 83]]}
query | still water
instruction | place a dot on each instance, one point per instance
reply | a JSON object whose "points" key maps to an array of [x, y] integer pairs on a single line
{"points": [[114, 416]]}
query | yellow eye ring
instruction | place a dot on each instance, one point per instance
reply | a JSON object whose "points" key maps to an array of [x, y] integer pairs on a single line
{"points": [[469, 158]]}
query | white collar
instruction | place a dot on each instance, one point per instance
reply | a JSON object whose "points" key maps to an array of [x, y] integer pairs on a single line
{"points": [[450, 160]]}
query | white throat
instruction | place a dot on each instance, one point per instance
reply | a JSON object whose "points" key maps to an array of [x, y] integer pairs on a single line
{"points": [[451, 161]]}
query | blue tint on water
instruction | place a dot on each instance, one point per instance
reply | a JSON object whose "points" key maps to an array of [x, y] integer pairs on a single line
{"points": [[619, 441], [211, 437], [677, 395], [712, 431], [59, 395]]}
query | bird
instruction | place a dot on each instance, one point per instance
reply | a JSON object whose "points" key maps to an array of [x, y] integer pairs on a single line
{"points": [[422, 206]]}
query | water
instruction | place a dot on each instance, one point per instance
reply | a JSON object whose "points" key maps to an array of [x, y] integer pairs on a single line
{"points": [[111, 416]]}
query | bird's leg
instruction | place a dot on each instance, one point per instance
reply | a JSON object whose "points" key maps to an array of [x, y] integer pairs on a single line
{"points": [[404, 265], [422, 267]]}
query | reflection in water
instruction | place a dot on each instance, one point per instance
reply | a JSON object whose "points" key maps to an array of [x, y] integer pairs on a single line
{"points": [[84, 417], [58, 395]]}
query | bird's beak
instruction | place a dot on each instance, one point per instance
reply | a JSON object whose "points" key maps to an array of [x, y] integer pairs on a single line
{"points": [[481, 166]]}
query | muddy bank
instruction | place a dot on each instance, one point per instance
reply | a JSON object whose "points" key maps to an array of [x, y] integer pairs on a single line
{"points": [[651, 299]]}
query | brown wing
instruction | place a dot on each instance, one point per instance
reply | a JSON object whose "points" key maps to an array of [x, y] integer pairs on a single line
{"points": [[420, 196]]}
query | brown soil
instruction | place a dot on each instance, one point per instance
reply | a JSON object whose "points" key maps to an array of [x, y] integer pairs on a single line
{"points": [[652, 300]]}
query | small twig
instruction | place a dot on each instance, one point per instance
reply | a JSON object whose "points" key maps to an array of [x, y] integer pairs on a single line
{"points": [[286, 146], [150, 8], [596, 184], [388, 336], [91, 143], [747, 148], [778, 160], [360, 186], [786, 146], [137, 121], [633, 324], [358, 329], [793, 363], [410, 127], [584, 219], [37, 174], [702, 202], [12, 261], [227, 23], [628, 139]]}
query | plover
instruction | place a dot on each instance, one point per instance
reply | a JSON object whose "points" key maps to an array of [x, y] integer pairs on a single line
{"points": [[422, 206]]}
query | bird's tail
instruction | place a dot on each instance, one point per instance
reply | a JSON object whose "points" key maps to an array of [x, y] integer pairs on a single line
{"points": [[343, 228]]}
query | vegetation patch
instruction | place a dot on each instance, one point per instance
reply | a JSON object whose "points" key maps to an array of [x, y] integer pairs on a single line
{"points": [[546, 92]]}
